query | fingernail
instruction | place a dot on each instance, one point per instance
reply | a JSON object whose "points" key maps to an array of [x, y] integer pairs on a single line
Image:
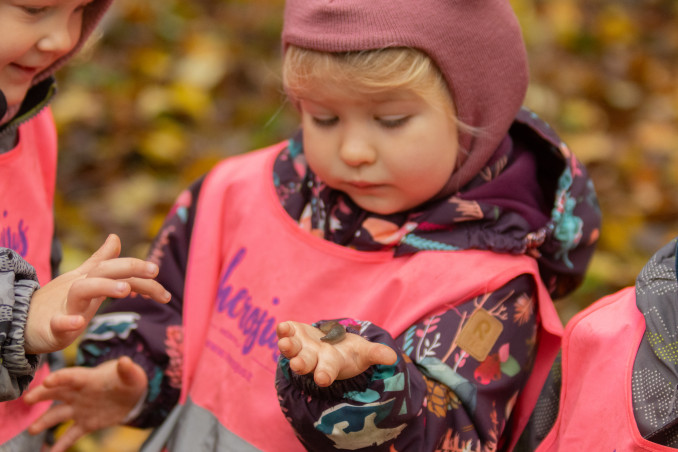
{"points": [[121, 287], [152, 268], [167, 296]]}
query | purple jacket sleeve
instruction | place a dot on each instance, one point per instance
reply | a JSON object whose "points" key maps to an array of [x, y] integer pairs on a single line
{"points": [[435, 397], [148, 332]]}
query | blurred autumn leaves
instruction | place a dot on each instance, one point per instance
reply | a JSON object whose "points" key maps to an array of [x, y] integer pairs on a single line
{"points": [[605, 74], [170, 88], [173, 86]]}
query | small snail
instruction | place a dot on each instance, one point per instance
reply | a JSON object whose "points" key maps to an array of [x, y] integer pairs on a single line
{"points": [[334, 332]]}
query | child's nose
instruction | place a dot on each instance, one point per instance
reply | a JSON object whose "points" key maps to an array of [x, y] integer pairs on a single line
{"points": [[357, 150], [59, 38]]}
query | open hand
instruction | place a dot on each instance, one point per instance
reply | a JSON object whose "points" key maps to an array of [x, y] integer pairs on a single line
{"points": [[93, 398], [353, 355], [60, 311]]}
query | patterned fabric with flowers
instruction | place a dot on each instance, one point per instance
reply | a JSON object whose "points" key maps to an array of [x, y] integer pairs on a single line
{"points": [[436, 396]]}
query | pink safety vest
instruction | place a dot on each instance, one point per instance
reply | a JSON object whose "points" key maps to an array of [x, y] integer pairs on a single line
{"points": [[27, 182], [596, 406], [251, 266]]}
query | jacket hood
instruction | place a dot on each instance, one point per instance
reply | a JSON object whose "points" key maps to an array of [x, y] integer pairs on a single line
{"points": [[565, 243], [535, 198]]}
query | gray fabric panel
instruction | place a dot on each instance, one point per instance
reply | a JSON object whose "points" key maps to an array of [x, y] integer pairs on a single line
{"points": [[655, 370], [192, 428], [24, 443]]}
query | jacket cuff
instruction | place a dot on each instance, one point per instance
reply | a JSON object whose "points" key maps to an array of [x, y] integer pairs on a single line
{"points": [[18, 282], [306, 384], [14, 356]]}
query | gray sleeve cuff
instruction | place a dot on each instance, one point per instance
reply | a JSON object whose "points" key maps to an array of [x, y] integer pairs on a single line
{"points": [[14, 357], [18, 281]]}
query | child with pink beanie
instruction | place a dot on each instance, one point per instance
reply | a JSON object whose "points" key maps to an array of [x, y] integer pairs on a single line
{"points": [[380, 281]]}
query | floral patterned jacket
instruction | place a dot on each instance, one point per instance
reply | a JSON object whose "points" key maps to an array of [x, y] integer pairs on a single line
{"points": [[534, 199]]}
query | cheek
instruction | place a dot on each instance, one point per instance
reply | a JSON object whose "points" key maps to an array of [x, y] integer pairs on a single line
{"points": [[316, 150], [9, 53], [74, 32], [429, 161]]}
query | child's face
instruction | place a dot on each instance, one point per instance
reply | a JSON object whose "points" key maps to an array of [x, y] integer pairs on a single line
{"points": [[389, 152], [35, 33]]}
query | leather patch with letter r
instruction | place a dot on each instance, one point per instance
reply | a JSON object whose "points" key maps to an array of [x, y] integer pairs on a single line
{"points": [[479, 334]]}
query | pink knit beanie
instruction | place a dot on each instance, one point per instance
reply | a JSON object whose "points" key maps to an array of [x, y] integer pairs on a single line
{"points": [[477, 45], [92, 14]]}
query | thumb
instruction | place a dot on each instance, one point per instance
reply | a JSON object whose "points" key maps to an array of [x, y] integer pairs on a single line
{"points": [[382, 354], [130, 373]]}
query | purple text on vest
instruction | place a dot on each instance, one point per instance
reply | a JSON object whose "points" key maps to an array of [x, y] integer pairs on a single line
{"points": [[14, 239], [254, 322]]}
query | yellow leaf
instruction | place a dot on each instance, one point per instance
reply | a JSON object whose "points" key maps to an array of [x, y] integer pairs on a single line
{"points": [[191, 99], [165, 143]]}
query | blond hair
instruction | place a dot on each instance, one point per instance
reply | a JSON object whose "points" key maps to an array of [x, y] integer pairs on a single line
{"points": [[369, 72]]}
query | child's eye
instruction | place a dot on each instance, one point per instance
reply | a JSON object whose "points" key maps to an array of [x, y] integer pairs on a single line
{"points": [[392, 122], [325, 121], [34, 10]]}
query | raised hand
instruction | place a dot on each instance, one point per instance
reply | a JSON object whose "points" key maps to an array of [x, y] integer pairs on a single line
{"points": [[60, 311], [353, 355], [93, 398]]}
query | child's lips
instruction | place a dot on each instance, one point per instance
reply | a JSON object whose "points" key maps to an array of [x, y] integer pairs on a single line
{"points": [[363, 185], [28, 71]]}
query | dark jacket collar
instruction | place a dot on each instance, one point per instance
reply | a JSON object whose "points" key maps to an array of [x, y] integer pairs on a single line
{"points": [[37, 98]]}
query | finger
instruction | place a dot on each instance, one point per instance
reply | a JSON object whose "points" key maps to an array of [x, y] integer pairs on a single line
{"points": [[68, 438], [325, 375], [381, 354], [55, 386], [124, 267], [328, 366], [61, 324], [130, 373], [53, 416], [289, 347], [285, 329], [109, 250], [40, 394], [71, 378], [150, 288], [304, 362], [90, 288], [86, 295]]}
